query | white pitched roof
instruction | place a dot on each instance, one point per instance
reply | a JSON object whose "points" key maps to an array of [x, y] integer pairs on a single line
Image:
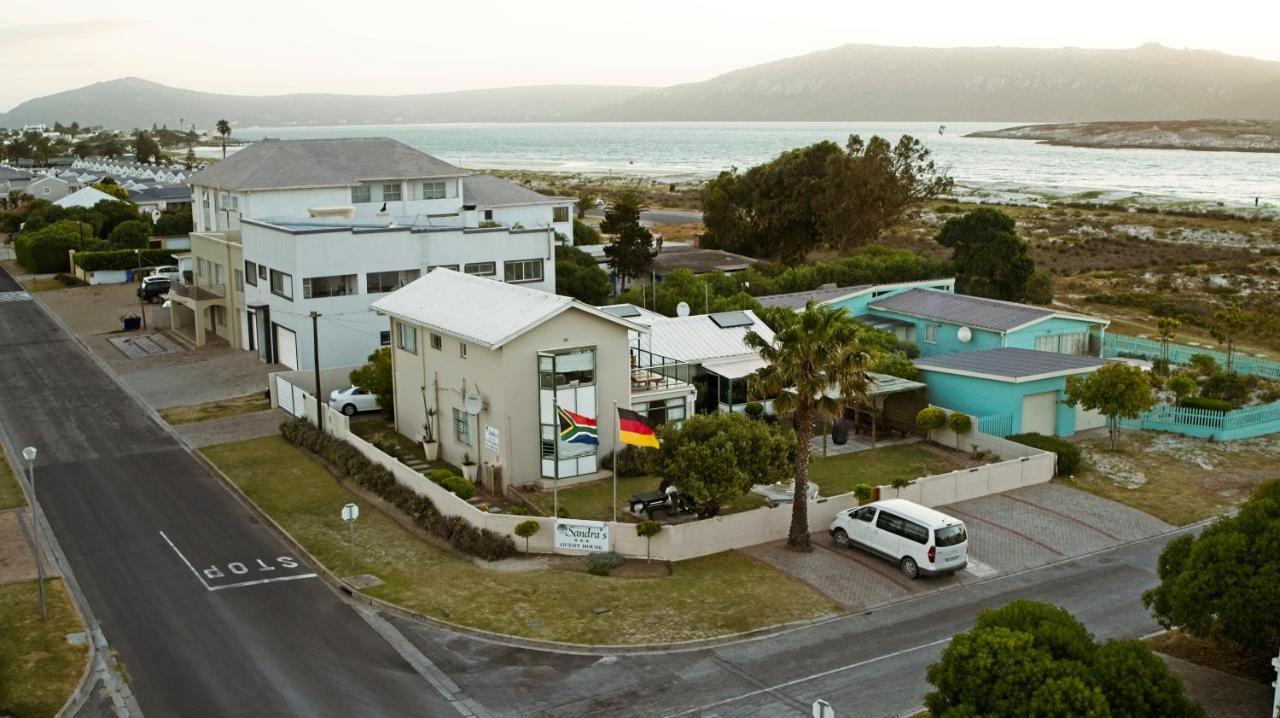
{"points": [[482, 311], [87, 197], [698, 338]]}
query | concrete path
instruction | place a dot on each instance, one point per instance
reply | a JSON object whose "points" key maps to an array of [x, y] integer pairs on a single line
{"points": [[232, 428]]}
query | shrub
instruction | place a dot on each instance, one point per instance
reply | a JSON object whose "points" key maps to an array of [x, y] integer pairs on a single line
{"points": [[1206, 364], [647, 530], [1229, 387], [122, 259], [632, 460], [351, 464], [1070, 461], [130, 235], [1181, 385], [173, 223], [439, 475], [930, 418], [525, 529], [960, 423], [753, 410], [44, 251], [600, 563], [1206, 403], [460, 487]]}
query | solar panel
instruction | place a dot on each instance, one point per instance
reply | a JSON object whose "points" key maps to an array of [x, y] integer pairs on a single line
{"points": [[623, 310], [726, 320]]}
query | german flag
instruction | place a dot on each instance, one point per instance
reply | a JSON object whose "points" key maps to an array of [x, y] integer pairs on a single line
{"points": [[635, 429]]}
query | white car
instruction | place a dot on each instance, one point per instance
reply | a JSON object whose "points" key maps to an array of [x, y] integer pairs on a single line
{"points": [[353, 400], [917, 538], [168, 271]]}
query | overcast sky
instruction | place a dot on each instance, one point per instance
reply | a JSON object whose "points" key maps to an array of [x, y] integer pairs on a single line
{"points": [[395, 47]]}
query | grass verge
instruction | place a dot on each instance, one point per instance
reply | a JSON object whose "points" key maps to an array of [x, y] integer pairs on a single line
{"points": [[219, 409], [11, 495], [38, 667], [711, 596], [837, 475], [1209, 654]]}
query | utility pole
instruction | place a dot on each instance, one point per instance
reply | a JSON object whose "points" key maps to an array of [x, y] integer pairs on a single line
{"points": [[315, 345], [142, 307], [29, 454]]}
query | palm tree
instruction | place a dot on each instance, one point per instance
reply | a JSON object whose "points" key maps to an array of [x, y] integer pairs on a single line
{"points": [[813, 352], [224, 129]]}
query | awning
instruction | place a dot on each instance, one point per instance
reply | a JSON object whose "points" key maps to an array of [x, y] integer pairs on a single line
{"points": [[735, 367]]}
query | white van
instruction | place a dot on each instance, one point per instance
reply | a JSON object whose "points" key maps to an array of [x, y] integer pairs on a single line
{"points": [[917, 538]]}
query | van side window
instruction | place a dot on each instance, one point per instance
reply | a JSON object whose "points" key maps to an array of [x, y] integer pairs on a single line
{"points": [[865, 513], [889, 522], [915, 532]]}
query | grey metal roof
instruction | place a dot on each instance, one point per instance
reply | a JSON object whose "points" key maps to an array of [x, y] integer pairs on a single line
{"points": [[490, 191], [698, 260], [9, 173], [962, 309], [797, 300], [172, 193], [1010, 363], [273, 164]]}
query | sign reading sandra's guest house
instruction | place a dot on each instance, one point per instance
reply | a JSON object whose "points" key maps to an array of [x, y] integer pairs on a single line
{"points": [[578, 535]]}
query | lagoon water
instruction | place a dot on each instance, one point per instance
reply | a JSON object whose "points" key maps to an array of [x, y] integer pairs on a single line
{"points": [[701, 149]]}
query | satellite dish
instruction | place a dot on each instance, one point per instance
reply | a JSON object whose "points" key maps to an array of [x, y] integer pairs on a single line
{"points": [[964, 334], [472, 403], [682, 309]]}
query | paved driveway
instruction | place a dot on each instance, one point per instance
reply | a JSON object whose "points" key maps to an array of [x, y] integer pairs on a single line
{"points": [[1008, 532]]}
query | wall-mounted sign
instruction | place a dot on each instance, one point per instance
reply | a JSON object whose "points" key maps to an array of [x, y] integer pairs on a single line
{"points": [[491, 439], [572, 534]]}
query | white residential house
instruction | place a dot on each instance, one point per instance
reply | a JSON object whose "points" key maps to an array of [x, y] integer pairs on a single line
{"points": [[51, 188]]}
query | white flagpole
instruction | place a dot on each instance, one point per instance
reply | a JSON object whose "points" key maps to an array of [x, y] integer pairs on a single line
{"points": [[617, 447]]}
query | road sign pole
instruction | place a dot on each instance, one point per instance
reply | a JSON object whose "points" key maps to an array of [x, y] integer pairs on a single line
{"points": [[352, 526], [350, 513]]}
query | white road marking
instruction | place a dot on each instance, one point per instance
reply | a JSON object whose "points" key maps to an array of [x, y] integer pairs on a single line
{"points": [[979, 569], [285, 561], [796, 681]]}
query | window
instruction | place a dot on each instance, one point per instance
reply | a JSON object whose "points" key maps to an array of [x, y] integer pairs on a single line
{"points": [[437, 342], [262, 271], [379, 282], [1073, 343], [250, 273], [407, 338], [360, 194], [560, 214], [239, 280], [523, 270], [462, 349], [235, 202], [483, 269], [889, 522], [384, 339], [340, 285], [866, 513], [454, 267], [915, 532], [488, 213], [931, 333], [391, 192], [433, 190], [282, 284], [461, 428], [46, 190]]}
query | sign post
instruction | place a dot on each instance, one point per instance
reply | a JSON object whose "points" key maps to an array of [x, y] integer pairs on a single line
{"points": [[823, 709], [350, 513]]}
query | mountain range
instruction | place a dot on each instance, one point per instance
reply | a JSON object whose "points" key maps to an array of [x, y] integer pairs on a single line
{"points": [[847, 83]]}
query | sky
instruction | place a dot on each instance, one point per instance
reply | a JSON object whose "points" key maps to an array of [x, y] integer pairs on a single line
{"points": [[261, 47]]}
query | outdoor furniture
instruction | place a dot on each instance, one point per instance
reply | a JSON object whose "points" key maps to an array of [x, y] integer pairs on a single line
{"points": [[648, 503]]}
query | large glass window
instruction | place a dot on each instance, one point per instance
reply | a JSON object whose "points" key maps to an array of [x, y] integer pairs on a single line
{"points": [[433, 190], [282, 284], [523, 270], [407, 338], [391, 192], [339, 285], [560, 214], [379, 282], [360, 194], [482, 269], [568, 413], [250, 273]]}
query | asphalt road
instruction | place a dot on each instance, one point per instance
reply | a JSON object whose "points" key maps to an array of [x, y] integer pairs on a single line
{"points": [[867, 666], [184, 581], [662, 216]]}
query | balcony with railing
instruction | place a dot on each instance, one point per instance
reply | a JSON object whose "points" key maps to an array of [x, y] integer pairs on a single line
{"points": [[200, 292], [652, 373]]}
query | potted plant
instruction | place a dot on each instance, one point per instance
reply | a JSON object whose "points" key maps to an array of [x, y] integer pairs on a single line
{"points": [[430, 447], [468, 467]]}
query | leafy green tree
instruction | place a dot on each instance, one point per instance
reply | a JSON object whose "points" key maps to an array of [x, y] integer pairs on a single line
{"points": [[584, 234], [526, 530], [46, 250], [130, 235], [1221, 585], [586, 200], [1181, 385], [895, 363], [189, 160], [814, 353], [1116, 391], [1034, 659], [145, 148], [578, 276], [1166, 327], [114, 213], [714, 458], [224, 131], [109, 186], [1228, 323], [174, 223], [990, 259], [961, 424], [930, 418], [375, 378], [631, 250], [647, 530]]}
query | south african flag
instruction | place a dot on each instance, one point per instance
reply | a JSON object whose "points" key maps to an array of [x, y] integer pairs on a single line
{"points": [[576, 428]]}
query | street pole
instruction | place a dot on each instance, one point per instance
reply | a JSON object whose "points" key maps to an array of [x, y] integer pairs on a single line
{"points": [[315, 345], [29, 454], [352, 526], [142, 308], [617, 441]]}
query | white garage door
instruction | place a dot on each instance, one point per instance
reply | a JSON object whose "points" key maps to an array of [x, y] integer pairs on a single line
{"points": [[1039, 413], [1086, 419], [286, 347]]}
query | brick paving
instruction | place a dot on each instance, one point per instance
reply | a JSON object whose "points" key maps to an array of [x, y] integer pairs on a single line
{"points": [[844, 581], [232, 428]]}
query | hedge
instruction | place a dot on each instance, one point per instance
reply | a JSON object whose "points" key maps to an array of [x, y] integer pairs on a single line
{"points": [[351, 464], [1070, 460], [1204, 402], [122, 259]]}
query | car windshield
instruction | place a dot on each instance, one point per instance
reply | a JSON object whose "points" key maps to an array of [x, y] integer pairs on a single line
{"points": [[951, 535]]}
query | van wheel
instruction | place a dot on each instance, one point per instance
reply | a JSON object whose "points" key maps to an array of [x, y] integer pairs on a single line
{"points": [[841, 538], [349, 410], [909, 568]]}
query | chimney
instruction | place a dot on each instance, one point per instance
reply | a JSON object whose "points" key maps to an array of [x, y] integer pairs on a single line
{"points": [[470, 217]]}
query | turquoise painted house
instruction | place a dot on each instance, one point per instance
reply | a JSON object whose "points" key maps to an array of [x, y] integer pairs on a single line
{"points": [[1011, 390]]}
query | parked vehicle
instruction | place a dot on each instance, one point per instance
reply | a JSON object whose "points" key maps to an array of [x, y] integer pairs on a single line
{"points": [[153, 289], [352, 400], [917, 538], [167, 271]]}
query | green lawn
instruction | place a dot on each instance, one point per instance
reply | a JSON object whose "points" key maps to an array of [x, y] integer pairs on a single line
{"points": [[38, 668], [593, 500], [10, 493], [375, 429], [715, 595], [219, 409], [837, 475]]}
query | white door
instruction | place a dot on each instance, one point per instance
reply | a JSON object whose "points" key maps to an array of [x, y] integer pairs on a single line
{"points": [[286, 347], [284, 394], [1086, 419], [1040, 413]]}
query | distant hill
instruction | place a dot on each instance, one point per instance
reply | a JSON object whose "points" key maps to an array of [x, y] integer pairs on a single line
{"points": [[132, 102], [869, 82], [1212, 135]]}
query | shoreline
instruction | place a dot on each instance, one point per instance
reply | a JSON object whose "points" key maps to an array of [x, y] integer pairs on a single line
{"points": [[1250, 136]]}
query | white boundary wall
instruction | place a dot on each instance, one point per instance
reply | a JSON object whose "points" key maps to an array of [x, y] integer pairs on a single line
{"points": [[1019, 466]]}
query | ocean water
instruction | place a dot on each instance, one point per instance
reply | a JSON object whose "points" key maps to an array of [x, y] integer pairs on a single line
{"points": [[679, 150]]}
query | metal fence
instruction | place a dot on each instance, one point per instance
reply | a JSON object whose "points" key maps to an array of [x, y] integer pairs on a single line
{"points": [[1120, 345], [997, 424]]}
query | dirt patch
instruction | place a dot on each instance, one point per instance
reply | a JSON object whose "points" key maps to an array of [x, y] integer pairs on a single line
{"points": [[1204, 652], [15, 552]]}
